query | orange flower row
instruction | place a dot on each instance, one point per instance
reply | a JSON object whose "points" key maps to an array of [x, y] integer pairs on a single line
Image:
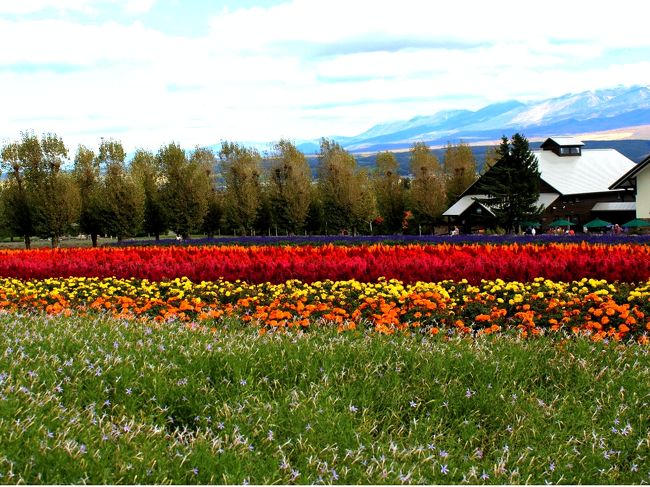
{"points": [[594, 308]]}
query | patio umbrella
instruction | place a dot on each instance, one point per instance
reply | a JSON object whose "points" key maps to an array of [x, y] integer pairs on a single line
{"points": [[561, 223], [526, 223], [636, 223], [597, 223]]}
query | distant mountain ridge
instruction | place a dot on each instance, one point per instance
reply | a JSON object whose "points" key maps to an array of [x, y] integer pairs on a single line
{"points": [[570, 114]]}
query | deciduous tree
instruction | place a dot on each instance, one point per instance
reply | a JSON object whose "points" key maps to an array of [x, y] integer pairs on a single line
{"points": [[124, 199], [427, 193], [460, 169], [345, 191], [185, 188], [57, 197], [88, 179], [389, 192], [147, 173], [240, 167], [289, 186], [18, 212]]}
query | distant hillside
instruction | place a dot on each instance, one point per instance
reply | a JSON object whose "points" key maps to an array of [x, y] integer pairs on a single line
{"points": [[635, 150], [571, 114]]}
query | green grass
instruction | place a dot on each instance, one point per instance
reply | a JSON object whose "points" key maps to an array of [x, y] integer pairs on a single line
{"points": [[103, 401]]}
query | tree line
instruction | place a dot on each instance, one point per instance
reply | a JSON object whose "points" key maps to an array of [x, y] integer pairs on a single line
{"points": [[234, 191]]}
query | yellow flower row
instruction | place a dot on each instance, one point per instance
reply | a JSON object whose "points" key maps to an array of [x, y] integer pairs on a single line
{"points": [[594, 307]]}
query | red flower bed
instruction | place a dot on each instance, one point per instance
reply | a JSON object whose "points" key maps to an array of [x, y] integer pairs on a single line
{"points": [[409, 263]]}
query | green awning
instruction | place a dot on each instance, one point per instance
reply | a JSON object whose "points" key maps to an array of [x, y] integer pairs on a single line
{"points": [[636, 223], [597, 223], [561, 223]]}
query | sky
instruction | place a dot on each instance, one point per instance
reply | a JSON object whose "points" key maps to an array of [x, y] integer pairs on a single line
{"points": [[196, 72]]}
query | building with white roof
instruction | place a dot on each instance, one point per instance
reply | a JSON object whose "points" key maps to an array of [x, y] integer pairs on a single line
{"points": [[576, 185], [637, 180]]}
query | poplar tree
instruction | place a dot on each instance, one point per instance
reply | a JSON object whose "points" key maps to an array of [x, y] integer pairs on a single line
{"points": [[39, 198], [18, 211], [460, 170], [185, 188], [345, 191], [389, 192], [512, 183], [86, 174], [124, 199], [427, 193], [240, 168], [289, 186], [58, 201], [148, 174]]}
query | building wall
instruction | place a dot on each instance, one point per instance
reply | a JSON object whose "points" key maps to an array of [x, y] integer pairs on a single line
{"points": [[578, 209], [643, 193]]}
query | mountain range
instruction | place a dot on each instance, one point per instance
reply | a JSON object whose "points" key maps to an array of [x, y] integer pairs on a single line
{"points": [[570, 114]]}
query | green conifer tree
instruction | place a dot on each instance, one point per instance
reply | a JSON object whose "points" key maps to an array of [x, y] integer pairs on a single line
{"points": [[512, 184]]}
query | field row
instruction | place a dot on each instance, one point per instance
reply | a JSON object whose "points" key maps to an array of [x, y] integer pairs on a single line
{"points": [[408, 263], [602, 310]]}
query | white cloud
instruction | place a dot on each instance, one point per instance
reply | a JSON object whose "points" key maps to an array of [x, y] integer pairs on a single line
{"points": [[139, 6], [300, 69]]}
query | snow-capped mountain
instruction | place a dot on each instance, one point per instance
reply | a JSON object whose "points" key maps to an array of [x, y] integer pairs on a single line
{"points": [[589, 111]]}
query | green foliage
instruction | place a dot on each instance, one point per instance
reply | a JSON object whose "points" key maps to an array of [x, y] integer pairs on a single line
{"points": [[345, 191], [427, 194], [58, 206], [147, 173], [240, 167], [87, 176], [186, 186], [460, 169], [112, 402], [214, 215], [389, 193], [289, 186], [512, 184], [123, 199], [17, 210], [40, 199]]}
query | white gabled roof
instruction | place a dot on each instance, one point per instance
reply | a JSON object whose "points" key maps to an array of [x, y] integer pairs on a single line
{"points": [[615, 206], [592, 172], [545, 199], [458, 208], [565, 140], [463, 204]]}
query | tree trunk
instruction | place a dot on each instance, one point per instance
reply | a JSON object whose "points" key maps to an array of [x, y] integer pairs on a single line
{"points": [[157, 236], [55, 242], [28, 242], [119, 238], [93, 237]]}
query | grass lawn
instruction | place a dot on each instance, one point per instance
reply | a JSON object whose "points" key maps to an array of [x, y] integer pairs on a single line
{"points": [[104, 401]]}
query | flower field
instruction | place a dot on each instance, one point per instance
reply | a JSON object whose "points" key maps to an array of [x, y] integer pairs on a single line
{"points": [[602, 291], [373, 364], [592, 307], [408, 263]]}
